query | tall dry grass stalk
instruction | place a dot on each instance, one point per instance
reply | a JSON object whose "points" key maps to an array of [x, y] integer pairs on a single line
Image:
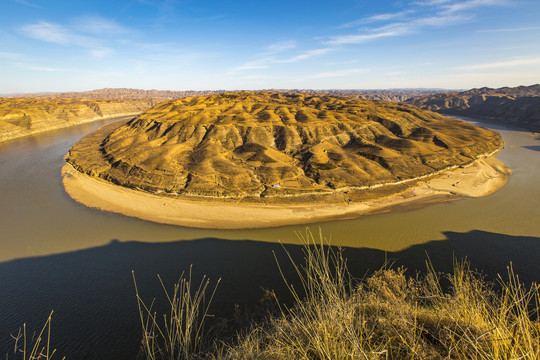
{"points": [[178, 335], [391, 316], [36, 347]]}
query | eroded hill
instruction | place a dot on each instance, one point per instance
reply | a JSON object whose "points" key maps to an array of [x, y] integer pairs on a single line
{"points": [[252, 145], [518, 106], [26, 116]]}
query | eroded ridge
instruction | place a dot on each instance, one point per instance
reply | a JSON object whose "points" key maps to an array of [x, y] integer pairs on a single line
{"points": [[250, 145]]}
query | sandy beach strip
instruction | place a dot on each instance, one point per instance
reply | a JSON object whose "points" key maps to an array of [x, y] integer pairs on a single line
{"points": [[481, 178]]}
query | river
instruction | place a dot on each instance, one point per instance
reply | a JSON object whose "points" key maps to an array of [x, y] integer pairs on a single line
{"points": [[58, 255]]}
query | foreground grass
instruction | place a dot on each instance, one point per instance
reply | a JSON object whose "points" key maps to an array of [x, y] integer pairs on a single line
{"points": [[35, 346], [387, 315]]}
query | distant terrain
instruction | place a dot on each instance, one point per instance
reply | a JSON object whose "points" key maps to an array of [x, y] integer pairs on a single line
{"points": [[395, 95], [27, 116], [518, 106], [124, 94]]}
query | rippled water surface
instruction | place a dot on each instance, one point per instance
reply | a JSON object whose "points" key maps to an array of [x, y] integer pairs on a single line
{"points": [[57, 254]]}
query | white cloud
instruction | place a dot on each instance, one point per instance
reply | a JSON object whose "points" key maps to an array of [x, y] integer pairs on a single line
{"points": [[391, 30], [450, 8], [281, 46], [502, 64], [269, 56], [307, 55], [26, 3], [102, 52], [253, 65], [40, 68], [9, 56], [91, 32], [98, 25], [53, 33], [511, 29], [377, 18], [428, 13], [441, 20]]}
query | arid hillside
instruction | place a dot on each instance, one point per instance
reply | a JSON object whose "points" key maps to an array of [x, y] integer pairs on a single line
{"points": [[264, 144], [26, 116], [519, 106]]}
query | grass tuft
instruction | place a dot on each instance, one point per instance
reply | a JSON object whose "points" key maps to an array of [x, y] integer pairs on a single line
{"points": [[36, 347], [391, 316], [179, 334]]}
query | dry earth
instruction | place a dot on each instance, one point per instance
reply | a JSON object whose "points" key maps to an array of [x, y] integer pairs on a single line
{"points": [[265, 147], [27, 116]]}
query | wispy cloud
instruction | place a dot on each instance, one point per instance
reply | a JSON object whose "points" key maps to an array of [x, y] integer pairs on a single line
{"points": [[511, 29], [453, 7], [502, 64], [54, 33], [9, 56], [91, 32], [421, 14], [102, 52], [274, 54], [98, 25], [26, 3], [306, 55], [397, 29], [253, 65], [377, 18], [440, 20], [40, 68], [281, 46]]}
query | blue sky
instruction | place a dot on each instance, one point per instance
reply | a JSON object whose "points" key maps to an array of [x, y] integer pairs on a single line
{"points": [[53, 45]]}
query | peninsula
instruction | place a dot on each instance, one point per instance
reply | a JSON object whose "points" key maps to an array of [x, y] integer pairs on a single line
{"points": [[259, 159]]}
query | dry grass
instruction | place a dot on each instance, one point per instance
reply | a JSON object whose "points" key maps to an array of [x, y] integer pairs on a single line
{"points": [[391, 316], [178, 335], [384, 316], [35, 347]]}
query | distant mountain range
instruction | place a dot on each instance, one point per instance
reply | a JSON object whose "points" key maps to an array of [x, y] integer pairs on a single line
{"points": [[395, 95], [122, 94], [518, 106]]}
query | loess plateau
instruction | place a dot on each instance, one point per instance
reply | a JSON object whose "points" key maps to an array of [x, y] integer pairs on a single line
{"points": [[279, 147]]}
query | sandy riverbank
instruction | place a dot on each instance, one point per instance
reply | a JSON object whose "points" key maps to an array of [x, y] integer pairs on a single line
{"points": [[481, 178]]}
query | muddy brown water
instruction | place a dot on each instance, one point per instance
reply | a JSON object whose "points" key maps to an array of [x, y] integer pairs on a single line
{"points": [[56, 254]]}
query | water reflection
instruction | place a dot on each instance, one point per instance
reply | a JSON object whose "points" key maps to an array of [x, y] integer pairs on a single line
{"points": [[89, 283]]}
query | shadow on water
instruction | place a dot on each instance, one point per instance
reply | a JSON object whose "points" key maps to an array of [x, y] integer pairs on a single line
{"points": [[533, 147], [92, 294]]}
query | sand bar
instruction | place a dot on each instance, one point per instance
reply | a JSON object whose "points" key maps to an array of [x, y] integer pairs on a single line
{"points": [[481, 178]]}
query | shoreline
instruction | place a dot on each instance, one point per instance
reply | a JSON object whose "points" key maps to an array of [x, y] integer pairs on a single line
{"points": [[481, 178], [41, 131]]}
